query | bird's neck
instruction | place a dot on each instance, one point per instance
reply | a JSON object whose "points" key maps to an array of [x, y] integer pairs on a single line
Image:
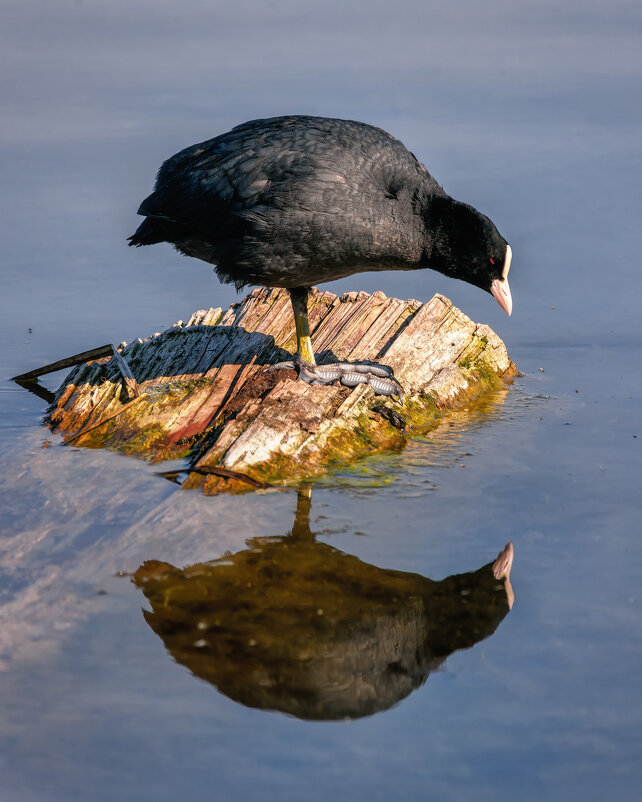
{"points": [[439, 244]]}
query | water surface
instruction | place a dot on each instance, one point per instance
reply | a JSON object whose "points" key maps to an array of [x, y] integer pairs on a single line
{"points": [[529, 111]]}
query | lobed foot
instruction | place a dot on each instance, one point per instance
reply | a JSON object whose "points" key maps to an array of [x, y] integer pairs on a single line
{"points": [[350, 374]]}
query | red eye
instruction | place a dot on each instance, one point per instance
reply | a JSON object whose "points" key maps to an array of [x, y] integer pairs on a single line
{"points": [[492, 261]]}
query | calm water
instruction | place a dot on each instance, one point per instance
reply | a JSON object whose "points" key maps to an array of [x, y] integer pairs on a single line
{"points": [[533, 113]]}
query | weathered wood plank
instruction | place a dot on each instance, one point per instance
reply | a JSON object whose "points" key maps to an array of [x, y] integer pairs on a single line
{"points": [[67, 362], [205, 391], [126, 373]]}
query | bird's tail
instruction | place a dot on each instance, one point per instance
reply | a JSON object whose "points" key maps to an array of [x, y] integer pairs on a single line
{"points": [[155, 229]]}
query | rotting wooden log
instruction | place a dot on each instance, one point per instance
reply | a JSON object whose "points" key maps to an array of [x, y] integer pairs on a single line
{"points": [[206, 395]]}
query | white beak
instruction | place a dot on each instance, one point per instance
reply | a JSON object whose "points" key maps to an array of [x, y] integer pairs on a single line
{"points": [[500, 289]]}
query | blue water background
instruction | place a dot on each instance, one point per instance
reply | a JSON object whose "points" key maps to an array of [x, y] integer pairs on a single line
{"points": [[530, 111]]}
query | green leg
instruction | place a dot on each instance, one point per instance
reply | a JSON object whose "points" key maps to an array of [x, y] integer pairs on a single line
{"points": [[299, 298], [301, 528]]}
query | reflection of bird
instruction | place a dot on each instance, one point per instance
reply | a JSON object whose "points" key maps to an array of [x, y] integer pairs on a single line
{"points": [[296, 201], [294, 625]]}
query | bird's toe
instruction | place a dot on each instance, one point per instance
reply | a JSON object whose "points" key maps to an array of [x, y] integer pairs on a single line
{"points": [[379, 377], [349, 374]]}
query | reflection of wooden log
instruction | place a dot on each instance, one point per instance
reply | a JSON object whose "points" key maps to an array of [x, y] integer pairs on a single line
{"points": [[205, 391], [36, 388]]}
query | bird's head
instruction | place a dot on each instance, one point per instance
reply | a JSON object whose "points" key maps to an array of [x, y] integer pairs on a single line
{"points": [[464, 244]]}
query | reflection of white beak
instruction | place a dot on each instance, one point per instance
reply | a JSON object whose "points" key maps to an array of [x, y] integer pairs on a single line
{"points": [[501, 570], [500, 288]]}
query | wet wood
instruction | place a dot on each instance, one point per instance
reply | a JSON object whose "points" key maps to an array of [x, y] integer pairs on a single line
{"points": [[101, 421], [206, 393], [215, 471]]}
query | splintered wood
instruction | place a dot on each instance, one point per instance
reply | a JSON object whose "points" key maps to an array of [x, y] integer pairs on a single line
{"points": [[204, 391]]}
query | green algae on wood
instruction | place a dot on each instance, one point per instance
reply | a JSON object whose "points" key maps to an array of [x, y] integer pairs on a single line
{"points": [[205, 392]]}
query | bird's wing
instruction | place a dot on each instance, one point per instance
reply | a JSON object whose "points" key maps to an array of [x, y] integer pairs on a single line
{"points": [[282, 177]]}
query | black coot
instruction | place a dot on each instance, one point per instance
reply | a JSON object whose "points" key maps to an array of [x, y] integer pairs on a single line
{"points": [[296, 201]]}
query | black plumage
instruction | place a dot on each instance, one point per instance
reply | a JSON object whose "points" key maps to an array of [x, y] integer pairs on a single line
{"points": [[296, 201]]}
